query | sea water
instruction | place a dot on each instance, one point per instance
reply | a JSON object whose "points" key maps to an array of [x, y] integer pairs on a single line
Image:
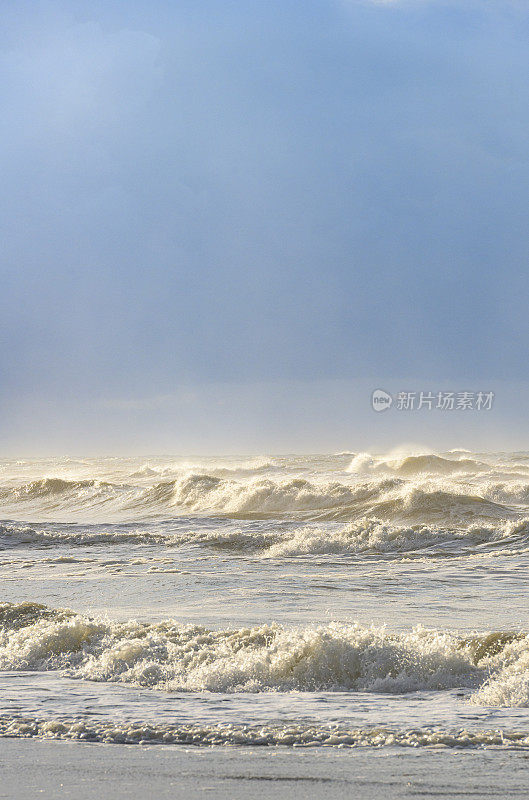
{"points": [[339, 600]]}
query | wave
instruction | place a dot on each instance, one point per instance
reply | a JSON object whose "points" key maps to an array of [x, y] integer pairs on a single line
{"points": [[416, 503], [266, 498], [261, 498], [372, 536], [51, 487], [247, 466], [514, 492], [367, 536], [402, 496], [510, 687], [268, 735], [19, 535], [412, 465], [332, 657], [203, 493]]}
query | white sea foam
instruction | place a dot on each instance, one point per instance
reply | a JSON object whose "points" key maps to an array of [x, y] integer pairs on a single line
{"points": [[268, 735], [171, 656], [510, 685]]}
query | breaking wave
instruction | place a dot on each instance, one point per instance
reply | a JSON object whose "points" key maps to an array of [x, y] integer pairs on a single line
{"points": [[429, 488], [376, 537], [413, 465], [332, 657], [262, 498], [367, 536]]}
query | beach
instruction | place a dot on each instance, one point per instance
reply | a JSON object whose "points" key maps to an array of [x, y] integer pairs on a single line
{"points": [[64, 770]]}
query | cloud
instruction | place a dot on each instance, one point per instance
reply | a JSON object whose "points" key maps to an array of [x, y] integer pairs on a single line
{"points": [[203, 194]]}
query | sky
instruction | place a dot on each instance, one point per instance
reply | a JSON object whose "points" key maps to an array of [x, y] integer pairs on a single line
{"points": [[225, 223]]}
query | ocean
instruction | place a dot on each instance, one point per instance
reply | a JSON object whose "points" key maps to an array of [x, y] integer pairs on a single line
{"points": [[345, 601]]}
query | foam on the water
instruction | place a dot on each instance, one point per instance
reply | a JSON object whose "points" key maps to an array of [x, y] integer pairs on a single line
{"points": [[268, 735], [331, 657]]}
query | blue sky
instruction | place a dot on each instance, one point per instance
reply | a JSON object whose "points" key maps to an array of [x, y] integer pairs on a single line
{"points": [[209, 206]]}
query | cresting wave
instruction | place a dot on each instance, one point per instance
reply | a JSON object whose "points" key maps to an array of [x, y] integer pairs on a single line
{"points": [[388, 498], [370, 537], [269, 735], [332, 657], [201, 492], [373, 537], [411, 465]]}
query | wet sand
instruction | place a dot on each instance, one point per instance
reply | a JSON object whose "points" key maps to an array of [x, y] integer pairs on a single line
{"points": [[55, 769]]}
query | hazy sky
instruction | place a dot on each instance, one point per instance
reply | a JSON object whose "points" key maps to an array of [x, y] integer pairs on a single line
{"points": [[223, 223]]}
